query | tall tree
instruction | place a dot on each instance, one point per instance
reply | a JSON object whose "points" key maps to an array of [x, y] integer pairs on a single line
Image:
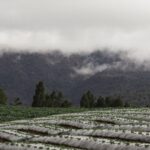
{"points": [[100, 102], [39, 97], [3, 97], [58, 100], [118, 102], [87, 100], [55, 99]]}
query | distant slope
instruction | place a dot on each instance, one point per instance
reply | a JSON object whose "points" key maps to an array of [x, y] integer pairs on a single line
{"points": [[102, 72]]}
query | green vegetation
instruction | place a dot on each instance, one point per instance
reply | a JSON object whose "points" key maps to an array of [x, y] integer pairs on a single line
{"points": [[100, 102], [54, 102], [17, 102], [39, 97], [3, 97], [88, 100], [54, 99], [8, 113]]}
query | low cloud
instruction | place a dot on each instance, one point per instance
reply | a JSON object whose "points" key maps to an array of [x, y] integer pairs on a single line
{"points": [[91, 69], [76, 26]]}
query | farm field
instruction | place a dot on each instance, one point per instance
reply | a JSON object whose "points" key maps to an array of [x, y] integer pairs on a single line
{"points": [[10, 113], [103, 129]]}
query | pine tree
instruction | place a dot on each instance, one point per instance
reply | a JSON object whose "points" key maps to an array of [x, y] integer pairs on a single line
{"points": [[39, 97], [100, 102], [56, 99], [53, 98], [87, 100]]}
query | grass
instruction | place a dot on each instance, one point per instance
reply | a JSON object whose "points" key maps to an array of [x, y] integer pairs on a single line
{"points": [[10, 113]]}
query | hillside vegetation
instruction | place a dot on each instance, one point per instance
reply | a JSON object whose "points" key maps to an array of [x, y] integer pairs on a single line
{"points": [[9, 113]]}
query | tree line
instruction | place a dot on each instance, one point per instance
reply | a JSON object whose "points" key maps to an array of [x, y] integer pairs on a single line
{"points": [[52, 99], [42, 98], [88, 100]]}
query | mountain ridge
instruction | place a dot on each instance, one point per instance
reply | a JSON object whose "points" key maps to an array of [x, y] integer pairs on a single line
{"points": [[104, 73]]}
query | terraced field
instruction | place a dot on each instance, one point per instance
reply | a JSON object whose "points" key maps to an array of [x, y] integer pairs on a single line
{"points": [[105, 129]]}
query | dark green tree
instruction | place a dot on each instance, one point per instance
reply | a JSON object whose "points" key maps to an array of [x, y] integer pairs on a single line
{"points": [[3, 97], [117, 102], [83, 101], [48, 101], [56, 99], [108, 101], [100, 102], [39, 97], [87, 100]]}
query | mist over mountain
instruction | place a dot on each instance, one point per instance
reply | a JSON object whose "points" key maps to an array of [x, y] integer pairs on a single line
{"points": [[102, 72], [32, 31]]}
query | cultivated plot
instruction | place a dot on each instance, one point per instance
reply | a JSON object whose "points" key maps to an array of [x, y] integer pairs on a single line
{"points": [[104, 129]]}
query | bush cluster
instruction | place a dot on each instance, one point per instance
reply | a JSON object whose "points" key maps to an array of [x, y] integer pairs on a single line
{"points": [[53, 99], [88, 100]]}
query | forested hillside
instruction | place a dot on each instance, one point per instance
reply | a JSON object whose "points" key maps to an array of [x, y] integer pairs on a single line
{"points": [[103, 73]]}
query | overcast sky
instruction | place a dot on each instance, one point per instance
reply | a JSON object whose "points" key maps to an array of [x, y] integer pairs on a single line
{"points": [[76, 25]]}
